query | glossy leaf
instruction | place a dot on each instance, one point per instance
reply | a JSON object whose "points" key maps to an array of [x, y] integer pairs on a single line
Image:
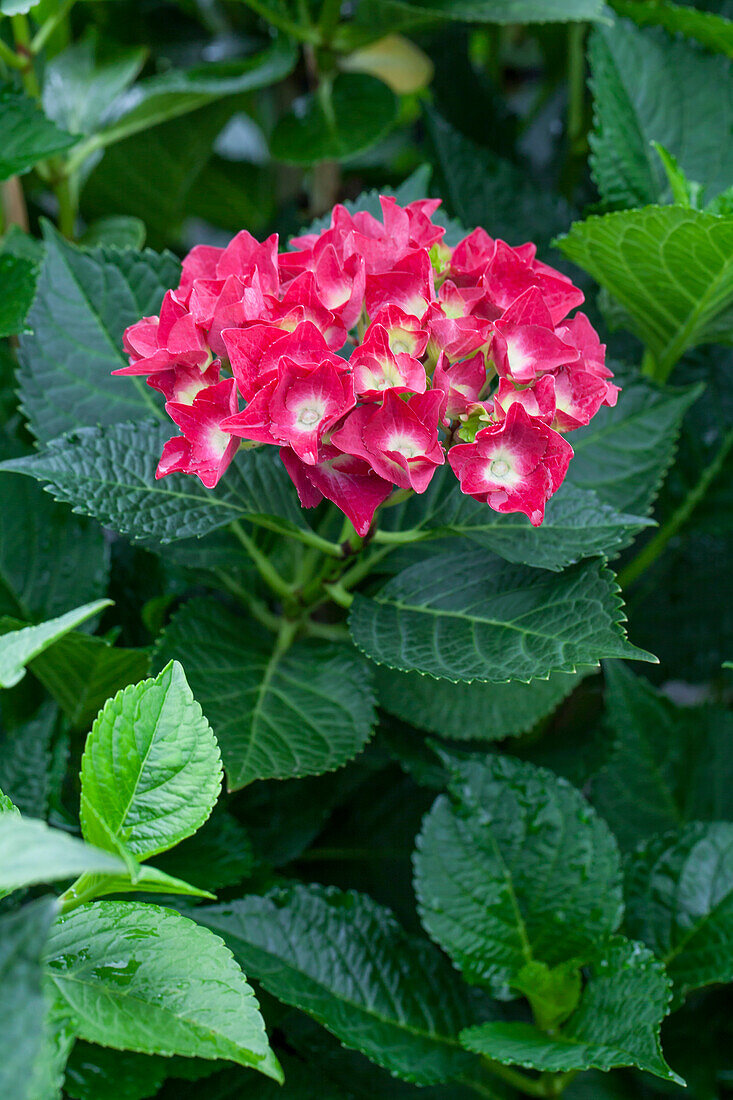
{"points": [[706, 27], [26, 135], [508, 11], [18, 277], [19, 647], [144, 978], [25, 760], [79, 90], [276, 714], [515, 868], [151, 771], [616, 1024], [462, 616], [31, 853], [344, 960]]}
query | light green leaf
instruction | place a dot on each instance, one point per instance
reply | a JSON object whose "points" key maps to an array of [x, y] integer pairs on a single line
{"points": [[464, 712], [639, 80], [151, 770], [84, 302], [679, 890], [276, 714], [18, 278], [345, 961], [6, 805], [463, 616], [669, 764], [19, 647], [670, 267], [115, 231], [147, 880], [338, 123], [26, 135], [78, 91], [109, 473], [515, 868], [508, 11], [57, 1039], [626, 451], [144, 978], [616, 1024], [711, 30], [23, 935], [31, 853]]}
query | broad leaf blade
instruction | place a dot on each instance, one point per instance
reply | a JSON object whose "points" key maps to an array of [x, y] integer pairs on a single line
{"points": [[462, 616], [711, 30], [25, 760], [276, 715], [151, 770], [19, 647], [144, 978], [507, 11], [26, 135], [344, 960], [18, 277], [32, 853]]}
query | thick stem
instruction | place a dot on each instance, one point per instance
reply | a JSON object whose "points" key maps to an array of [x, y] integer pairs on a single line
{"points": [[328, 19], [531, 1086], [22, 36], [14, 206], [261, 562], [67, 208]]}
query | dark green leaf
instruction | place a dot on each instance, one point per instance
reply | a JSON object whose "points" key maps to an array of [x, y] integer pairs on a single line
{"points": [[19, 647], [18, 278], [679, 890], [25, 760], [515, 868], [26, 135], [109, 473], [344, 960], [508, 11], [340, 122], [276, 714], [713, 31], [151, 770], [463, 616], [99, 1073], [669, 765], [616, 1024], [220, 854], [141, 977], [85, 300]]}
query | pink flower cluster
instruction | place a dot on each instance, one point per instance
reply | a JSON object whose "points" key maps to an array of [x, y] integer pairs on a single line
{"points": [[371, 352]]}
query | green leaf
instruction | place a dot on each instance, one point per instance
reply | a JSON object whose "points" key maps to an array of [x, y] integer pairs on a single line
{"points": [[345, 961], [109, 473], [669, 764], [276, 714], [514, 868], [639, 79], [78, 91], [220, 854], [616, 1024], [100, 1073], [711, 30], [31, 853], [23, 935], [148, 979], [464, 712], [463, 616], [670, 267], [151, 770], [49, 559], [57, 1039], [6, 805], [82, 672], [146, 880], [84, 302], [18, 278], [625, 453], [26, 135], [115, 231], [679, 891], [508, 11], [19, 647], [25, 760], [180, 91], [337, 123]]}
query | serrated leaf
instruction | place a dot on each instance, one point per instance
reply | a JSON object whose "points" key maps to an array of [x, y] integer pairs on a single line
{"points": [[616, 1024], [32, 853], [639, 79], [220, 854], [23, 935], [669, 764], [143, 978], [345, 961], [6, 805], [19, 647], [515, 868], [463, 616], [49, 559], [507, 11], [115, 231], [625, 453], [670, 267], [359, 109], [151, 770], [276, 714], [679, 892], [711, 30], [25, 760], [26, 135], [464, 712], [18, 277], [82, 671], [109, 473], [84, 301]]}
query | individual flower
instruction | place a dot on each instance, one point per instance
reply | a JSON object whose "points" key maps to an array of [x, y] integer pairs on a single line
{"points": [[513, 466], [538, 399], [161, 343], [525, 344], [460, 383], [377, 368], [409, 285], [204, 448]]}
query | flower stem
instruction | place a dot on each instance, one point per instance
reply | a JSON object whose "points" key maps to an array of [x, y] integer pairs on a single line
{"points": [[531, 1086], [261, 562]]}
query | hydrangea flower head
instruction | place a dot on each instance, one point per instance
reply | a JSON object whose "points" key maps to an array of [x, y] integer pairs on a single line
{"points": [[365, 352]]}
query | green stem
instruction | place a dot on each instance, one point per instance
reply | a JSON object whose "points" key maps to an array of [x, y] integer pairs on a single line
{"points": [[328, 19], [80, 892], [480, 1088], [339, 594], [42, 36], [10, 57], [576, 86], [67, 208], [330, 632], [22, 36], [261, 562], [556, 1083], [256, 607], [397, 538], [531, 1086], [303, 32], [649, 554], [363, 567], [308, 538]]}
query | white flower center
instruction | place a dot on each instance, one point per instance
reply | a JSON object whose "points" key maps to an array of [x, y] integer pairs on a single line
{"points": [[309, 415], [399, 347], [404, 446], [499, 468]]}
